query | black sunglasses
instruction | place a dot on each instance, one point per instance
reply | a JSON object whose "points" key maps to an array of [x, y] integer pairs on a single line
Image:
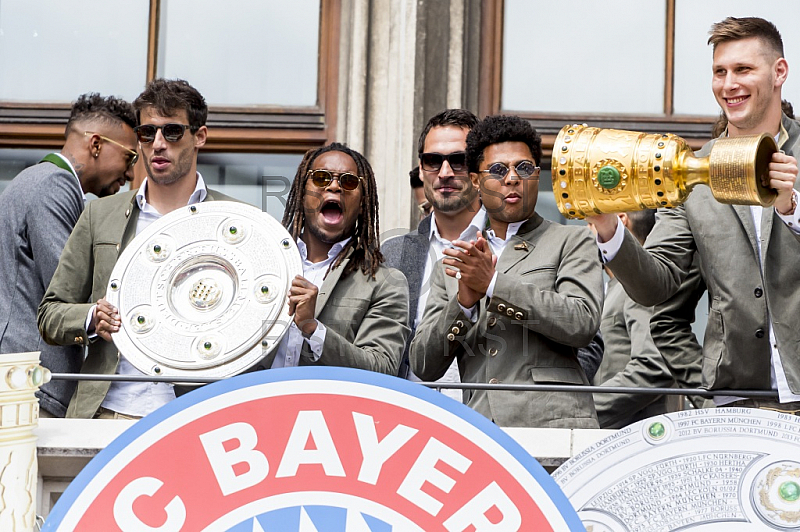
{"points": [[432, 162], [323, 179], [172, 132], [525, 170]]}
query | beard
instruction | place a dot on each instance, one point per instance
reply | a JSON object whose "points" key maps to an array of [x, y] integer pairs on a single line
{"points": [[454, 203], [181, 166]]}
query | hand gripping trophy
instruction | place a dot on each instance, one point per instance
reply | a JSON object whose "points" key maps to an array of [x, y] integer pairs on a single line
{"points": [[599, 171]]}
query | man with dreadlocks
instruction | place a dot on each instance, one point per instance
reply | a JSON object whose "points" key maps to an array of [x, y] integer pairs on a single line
{"points": [[347, 308]]}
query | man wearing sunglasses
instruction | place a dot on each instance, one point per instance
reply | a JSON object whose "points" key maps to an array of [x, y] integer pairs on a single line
{"points": [[348, 309], [171, 116], [515, 302], [38, 210], [456, 215]]}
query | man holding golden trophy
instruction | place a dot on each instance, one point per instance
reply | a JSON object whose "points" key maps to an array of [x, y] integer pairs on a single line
{"points": [[743, 226]]}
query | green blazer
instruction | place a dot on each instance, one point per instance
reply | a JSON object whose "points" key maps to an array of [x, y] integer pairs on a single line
{"points": [[365, 321], [546, 304], [103, 230]]}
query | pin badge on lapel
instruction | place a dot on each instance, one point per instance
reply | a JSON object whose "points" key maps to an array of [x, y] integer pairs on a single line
{"points": [[522, 246]]}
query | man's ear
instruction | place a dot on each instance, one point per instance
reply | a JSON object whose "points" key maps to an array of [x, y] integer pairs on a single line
{"points": [[623, 217], [781, 71], [200, 137], [475, 177]]}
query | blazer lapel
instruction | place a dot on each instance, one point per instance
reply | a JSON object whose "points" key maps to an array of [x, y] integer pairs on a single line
{"points": [[519, 246], [328, 285], [132, 218], [746, 219], [767, 218]]}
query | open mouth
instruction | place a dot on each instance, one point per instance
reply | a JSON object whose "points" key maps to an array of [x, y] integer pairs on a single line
{"points": [[332, 212]]}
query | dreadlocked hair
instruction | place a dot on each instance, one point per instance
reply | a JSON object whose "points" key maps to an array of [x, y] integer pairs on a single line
{"points": [[365, 243]]}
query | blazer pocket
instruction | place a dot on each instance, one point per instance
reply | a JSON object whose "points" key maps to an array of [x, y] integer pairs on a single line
{"points": [[713, 346], [557, 375], [544, 276]]}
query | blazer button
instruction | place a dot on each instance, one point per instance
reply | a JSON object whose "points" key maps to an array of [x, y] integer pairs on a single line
{"points": [[451, 337], [501, 308], [519, 315], [494, 381], [79, 339], [455, 330], [493, 352], [759, 333], [492, 321], [758, 292], [459, 323], [510, 311]]}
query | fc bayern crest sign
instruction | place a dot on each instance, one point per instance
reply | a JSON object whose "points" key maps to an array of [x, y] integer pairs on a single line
{"points": [[314, 450]]}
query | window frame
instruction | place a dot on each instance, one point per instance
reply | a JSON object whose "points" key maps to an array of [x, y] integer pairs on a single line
{"points": [[231, 128], [694, 128]]}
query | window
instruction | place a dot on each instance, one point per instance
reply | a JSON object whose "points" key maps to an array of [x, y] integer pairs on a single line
{"points": [[269, 69], [642, 65]]}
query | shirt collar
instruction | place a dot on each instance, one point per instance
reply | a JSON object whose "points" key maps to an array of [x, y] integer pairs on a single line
{"points": [[74, 173], [477, 223], [511, 230], [332, 253], [198, 196]]}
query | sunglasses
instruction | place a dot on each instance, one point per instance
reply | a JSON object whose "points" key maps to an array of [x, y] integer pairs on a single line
{"points": [[134, 156], [432, 162], [172, 132], [525, 170], [323, 179]]}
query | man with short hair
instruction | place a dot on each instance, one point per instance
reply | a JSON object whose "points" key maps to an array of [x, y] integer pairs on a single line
{"points": [[748, 255], [513, 304], [171, 130], [38, 210], [456, 215]]}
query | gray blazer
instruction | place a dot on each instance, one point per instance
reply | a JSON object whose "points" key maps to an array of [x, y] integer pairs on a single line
{"points": [[409, 254], [38, 210], [546, 304], [744, 292], [630, 359], [104, 229]]}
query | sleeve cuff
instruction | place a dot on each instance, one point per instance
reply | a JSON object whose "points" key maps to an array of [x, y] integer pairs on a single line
{"points": [[609, 250], [470, 313], [792, 220], [91, 334], [490, 290], [316, 341]]}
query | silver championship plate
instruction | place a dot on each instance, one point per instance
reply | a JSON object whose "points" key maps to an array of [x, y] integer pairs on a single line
{"points": [[203, 291]]}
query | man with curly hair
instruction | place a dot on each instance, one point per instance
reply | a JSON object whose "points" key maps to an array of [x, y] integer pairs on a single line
{"points": [[514, 305], [38, 210]]}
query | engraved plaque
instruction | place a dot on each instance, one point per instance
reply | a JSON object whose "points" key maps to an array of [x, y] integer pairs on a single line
{"points": [[726, 469], [203, 291]]}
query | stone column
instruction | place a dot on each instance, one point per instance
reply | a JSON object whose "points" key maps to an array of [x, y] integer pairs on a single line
{"points": [[400, 63]]}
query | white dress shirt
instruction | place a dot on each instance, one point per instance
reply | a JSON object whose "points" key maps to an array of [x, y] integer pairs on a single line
{"points": [[291, 345], [141, 398]]}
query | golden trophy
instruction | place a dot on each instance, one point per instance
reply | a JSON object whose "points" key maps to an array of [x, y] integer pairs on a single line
{"points": [[607, 170]]}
